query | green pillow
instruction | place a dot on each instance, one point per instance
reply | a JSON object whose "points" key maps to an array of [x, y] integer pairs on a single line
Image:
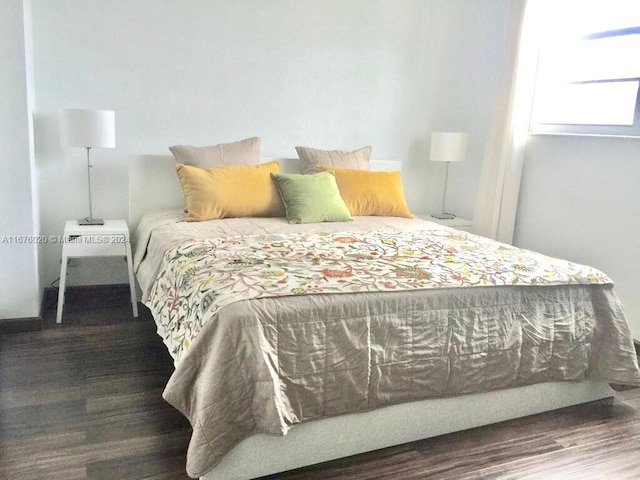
{"points": [[311, 198]]}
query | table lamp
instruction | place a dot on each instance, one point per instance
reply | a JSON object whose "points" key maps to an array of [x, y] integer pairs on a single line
{"points": [[88, 129], [447, 147]]}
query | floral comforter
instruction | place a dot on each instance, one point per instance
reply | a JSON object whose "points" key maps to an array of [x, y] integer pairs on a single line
{"points": [[200, 277], [269, 330]]}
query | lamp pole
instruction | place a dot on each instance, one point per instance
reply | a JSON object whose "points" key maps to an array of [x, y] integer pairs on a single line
{"points": [[90, 220]]}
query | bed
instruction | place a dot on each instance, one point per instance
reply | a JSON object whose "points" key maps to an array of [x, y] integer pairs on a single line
{"points": [[280, 378]]}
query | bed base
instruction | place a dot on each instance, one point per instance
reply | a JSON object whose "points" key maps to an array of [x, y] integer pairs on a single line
{"points": [[338, 437]]}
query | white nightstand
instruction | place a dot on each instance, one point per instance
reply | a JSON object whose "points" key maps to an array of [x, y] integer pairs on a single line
{"points": [[108, 240], [457, 223]]}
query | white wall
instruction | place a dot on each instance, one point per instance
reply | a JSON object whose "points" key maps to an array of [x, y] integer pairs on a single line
{"points": [[465, 93], [325, 73], [580, 200], [19, 295]]}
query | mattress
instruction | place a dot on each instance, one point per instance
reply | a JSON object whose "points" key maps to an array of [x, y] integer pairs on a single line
{"points": [[270, 362]]}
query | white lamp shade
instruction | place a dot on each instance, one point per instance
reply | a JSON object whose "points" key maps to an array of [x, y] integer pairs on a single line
{"points": [[448, 146], [87, 128]]}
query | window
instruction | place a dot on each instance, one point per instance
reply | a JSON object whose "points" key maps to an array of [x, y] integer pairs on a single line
{"points": [[588, 80]]}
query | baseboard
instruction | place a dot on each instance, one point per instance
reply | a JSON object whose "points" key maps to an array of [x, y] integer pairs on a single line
{"points": [[50, 294], [84, 296], [20, 325], [49, 299]]}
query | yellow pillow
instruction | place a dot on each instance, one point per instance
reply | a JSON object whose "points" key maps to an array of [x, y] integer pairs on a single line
{"points": [[371, 193], [242, 191]]}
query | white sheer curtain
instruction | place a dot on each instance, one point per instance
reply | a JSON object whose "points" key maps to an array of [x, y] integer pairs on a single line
{"points": [[497, 200]]}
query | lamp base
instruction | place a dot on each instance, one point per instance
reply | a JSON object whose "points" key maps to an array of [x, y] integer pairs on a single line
{"points": [[444, 216], [90, 221]]}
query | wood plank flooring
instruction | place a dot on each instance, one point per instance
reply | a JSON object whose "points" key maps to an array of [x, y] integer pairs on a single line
{"points": [[83, 400]]}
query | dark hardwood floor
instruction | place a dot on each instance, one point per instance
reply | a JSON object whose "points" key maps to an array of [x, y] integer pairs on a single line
{"points": [[83, 400]]}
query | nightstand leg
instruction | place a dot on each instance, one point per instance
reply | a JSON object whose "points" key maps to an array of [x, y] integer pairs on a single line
{"points": [[61, 287], [132, 282]]}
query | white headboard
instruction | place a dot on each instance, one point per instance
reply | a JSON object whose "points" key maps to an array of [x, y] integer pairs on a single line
{"points": [[154, 185]]}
